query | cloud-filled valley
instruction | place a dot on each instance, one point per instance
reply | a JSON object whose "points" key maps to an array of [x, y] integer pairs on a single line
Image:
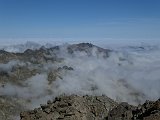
{"points": [[127, 74]]}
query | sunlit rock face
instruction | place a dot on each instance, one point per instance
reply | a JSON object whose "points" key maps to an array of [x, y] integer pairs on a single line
{"points": [[72, 108], [92, 108]]}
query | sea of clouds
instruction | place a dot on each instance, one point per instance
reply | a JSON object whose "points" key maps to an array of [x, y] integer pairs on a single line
{"points": [[130, 74]]}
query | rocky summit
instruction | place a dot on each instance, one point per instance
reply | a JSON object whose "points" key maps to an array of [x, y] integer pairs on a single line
{"points": [[72, 108], [92, 108]]}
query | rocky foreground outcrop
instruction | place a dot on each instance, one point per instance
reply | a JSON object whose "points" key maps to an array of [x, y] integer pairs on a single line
{"points": [[72, 108], [150, 110], [92, 108]]}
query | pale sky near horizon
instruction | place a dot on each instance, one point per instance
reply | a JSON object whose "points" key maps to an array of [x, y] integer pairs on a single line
{"points": [[115, 21]]}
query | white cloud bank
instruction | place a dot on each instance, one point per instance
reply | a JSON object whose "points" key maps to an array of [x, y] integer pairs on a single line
{"points": [[127, 75]]}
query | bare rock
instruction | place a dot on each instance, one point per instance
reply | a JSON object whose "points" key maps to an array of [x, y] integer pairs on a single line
{"points": [[73, 108], [148, 111]]}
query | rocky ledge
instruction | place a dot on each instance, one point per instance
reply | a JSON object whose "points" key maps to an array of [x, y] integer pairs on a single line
{"points": [[92, 108]]}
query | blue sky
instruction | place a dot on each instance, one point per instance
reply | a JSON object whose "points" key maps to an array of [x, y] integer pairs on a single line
{"points": [[81, 19]]}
